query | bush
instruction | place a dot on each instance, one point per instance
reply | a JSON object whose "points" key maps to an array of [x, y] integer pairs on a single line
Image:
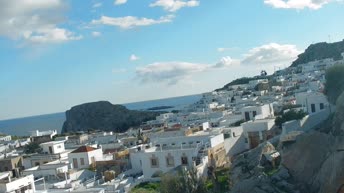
{"points": [[32, 148], [184, 181], [334, 85], [288, 116], [146, 187]]}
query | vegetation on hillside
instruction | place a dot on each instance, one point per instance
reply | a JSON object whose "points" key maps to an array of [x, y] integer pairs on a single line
{"points": [[187, 181], [146, 187], [320, 51], [334, 82], [243, 80]]}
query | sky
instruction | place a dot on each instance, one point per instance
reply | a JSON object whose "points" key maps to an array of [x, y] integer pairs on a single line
{"points": [[59, 53]]}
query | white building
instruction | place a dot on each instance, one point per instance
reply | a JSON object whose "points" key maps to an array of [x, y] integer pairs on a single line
{"points": [[166, 154], [258, 131], [84, 156], [5, 138], [52, 170], [38, 133], [312, 102], [52, 150], [15, 185], [257, 112], [234, 141], [53, 147]]}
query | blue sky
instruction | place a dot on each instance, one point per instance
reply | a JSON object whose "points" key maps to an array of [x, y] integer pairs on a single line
{"points": [[59, 53]]}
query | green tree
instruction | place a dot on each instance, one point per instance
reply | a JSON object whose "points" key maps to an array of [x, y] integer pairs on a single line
{"points": [[334, 82], [32, 148]]}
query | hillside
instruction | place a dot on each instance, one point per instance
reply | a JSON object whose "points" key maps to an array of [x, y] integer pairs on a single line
{"points": [[320, 51], [243, 80], [104, 116]]}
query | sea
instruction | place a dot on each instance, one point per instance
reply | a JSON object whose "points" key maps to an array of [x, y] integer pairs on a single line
{"points": [[22, 126]]}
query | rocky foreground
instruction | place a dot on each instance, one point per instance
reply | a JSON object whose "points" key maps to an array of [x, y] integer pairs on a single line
{"points": [[312, 164]]}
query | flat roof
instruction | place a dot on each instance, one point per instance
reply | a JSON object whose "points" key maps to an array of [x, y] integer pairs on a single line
{"points": [[53, 142]]}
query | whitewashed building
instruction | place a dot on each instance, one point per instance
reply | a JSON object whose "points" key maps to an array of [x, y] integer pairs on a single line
{"points": [[312, 102], [257, 112], [258, 131], [16, 185], [84, 156], [165, 154]]}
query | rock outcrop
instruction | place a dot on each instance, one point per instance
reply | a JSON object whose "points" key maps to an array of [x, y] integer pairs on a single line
{"points": [[104, 116], [320, 51], [247, 175], [311, 164]]}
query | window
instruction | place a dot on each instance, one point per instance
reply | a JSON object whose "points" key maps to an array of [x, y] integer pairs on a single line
{"points": [[169, 160], [82, 161], [321, 106], [234, 134], [313, 108], [184, 160], [154, 162], [254, 113]]}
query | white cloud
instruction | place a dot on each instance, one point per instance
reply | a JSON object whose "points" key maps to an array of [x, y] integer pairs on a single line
{"points": [[51, 35], [96, 5], [133, 57], [226, 62], [120, 2], [131, 21], [174, 5], [268, 55], [224, 49], [272, 53], [34, 21], [221, 49], [168, 72], [297, 4], [96, 34]]}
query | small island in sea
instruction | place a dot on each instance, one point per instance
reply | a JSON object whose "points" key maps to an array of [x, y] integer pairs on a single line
{"points": [[157, 108]]}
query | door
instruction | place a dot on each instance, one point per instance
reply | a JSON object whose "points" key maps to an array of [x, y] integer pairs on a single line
{"points": [[253, 138], [313, 108], [247, 116], [75, 163], [50, 150]]}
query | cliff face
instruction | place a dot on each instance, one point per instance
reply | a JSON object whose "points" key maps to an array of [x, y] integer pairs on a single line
{"points": [[104, 116], [320, 51]]}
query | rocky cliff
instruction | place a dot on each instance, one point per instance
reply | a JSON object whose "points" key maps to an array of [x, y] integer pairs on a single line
{"points": [[104, 116], [311, 164], [320, 51]]}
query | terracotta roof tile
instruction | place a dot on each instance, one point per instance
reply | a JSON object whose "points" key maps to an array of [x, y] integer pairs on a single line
{"points": [[83, 149]]}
